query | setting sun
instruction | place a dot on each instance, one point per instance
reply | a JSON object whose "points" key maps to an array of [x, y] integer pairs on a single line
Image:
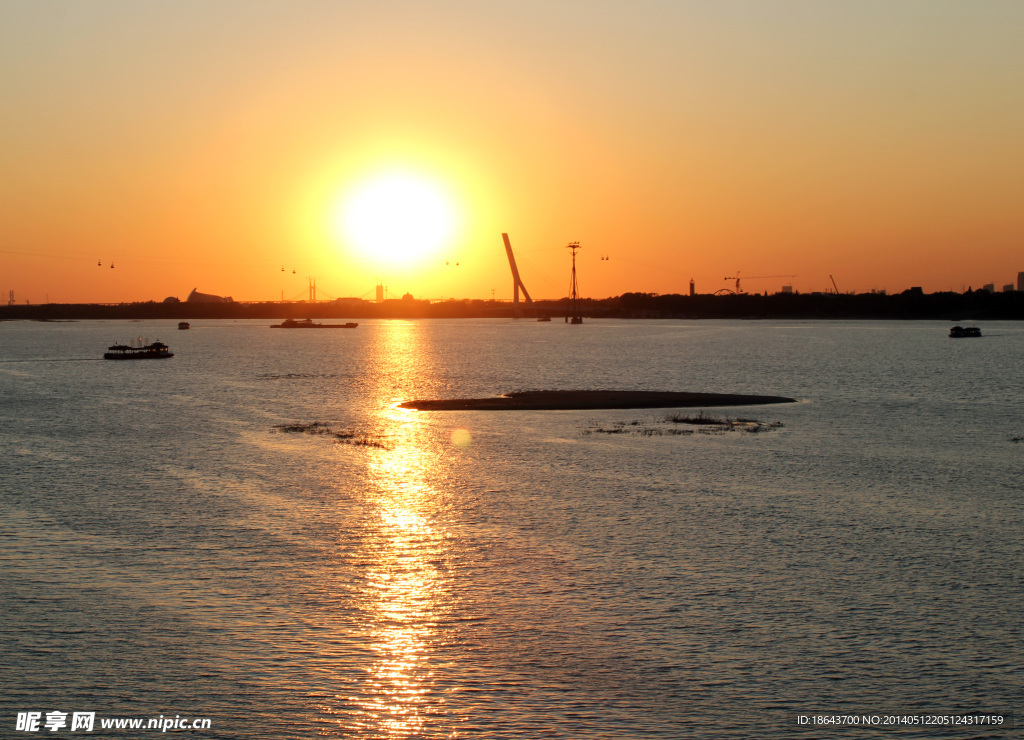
{"points": [[396, 218]]}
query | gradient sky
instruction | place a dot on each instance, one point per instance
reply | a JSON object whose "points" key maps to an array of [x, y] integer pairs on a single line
{"points": [[208, 144]]}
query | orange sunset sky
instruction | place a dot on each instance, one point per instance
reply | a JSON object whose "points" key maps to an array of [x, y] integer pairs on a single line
{"points": [[210, 144]]}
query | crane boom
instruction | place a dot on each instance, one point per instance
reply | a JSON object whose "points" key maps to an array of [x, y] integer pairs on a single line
{"points": [[517, 282]]}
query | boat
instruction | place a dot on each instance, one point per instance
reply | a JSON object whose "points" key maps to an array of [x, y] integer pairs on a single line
{"points": [[308, 324], [183, 325], [543, 318], [959, 332], [154, 351]]}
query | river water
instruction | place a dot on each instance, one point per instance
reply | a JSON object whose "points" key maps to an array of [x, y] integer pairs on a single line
{"points": [[192, 537]]}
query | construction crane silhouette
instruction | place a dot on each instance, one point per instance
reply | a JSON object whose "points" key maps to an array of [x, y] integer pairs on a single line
{"points": [[736, 278], [517, 282]]}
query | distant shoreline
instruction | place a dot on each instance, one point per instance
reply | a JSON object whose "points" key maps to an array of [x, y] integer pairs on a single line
{"points": [[584, 399], [970, 306]]}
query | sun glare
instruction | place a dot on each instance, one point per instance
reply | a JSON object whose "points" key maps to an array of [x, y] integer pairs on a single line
{"points": [[397, 218]]}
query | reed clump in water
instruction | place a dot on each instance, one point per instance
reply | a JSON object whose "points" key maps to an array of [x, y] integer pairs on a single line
{"points": [[667, 426], [340, 435]]}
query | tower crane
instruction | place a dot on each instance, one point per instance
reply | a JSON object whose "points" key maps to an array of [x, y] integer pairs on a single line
{"points": [[736, 278]]}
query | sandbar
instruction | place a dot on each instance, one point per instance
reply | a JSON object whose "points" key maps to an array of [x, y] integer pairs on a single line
{"points": [[574, 400]]}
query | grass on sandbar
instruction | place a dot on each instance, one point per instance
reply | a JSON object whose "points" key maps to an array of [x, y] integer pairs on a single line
{"points": [[705, 424]]}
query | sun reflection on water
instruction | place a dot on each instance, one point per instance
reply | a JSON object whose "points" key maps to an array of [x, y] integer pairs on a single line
{"points": [[406, 592]]}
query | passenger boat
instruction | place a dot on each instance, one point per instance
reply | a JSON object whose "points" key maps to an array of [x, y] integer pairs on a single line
{"points": [[183, 325], [308, 324], [154, 351], [959, 332]]}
